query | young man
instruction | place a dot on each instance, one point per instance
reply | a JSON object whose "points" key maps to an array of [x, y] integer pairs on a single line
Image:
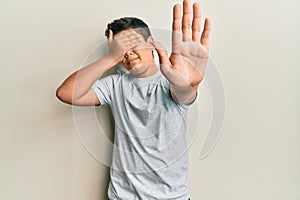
{"points": [[149, 104]]}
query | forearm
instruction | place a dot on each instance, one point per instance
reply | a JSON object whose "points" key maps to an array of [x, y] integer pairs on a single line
{"points": [[81, 81], [184, 95]]}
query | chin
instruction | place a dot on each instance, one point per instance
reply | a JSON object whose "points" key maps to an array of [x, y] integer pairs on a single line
{"points": [[134, 70], [135, 67], [137, 70]]}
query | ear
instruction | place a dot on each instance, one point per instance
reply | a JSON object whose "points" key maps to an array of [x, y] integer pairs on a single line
{"points": [[150, 41]]}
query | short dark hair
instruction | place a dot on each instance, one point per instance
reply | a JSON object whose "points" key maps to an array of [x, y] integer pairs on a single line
{"points": [[125, 23]]}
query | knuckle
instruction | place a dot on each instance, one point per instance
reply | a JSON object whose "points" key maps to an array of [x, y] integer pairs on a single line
{"points": [[186, 25]]}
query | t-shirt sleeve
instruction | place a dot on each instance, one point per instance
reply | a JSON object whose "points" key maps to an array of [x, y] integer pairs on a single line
{"points": [[104, 88]]}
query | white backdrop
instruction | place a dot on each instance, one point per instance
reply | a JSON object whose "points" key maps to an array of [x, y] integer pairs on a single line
{"points": [[254, 44]]}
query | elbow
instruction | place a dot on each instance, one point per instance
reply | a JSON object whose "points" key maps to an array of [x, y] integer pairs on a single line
{"points": [[59, 93], [64, 95]]}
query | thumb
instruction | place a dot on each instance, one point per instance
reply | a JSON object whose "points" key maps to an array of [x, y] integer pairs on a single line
{"points": [[110, 36], [162, 53]]}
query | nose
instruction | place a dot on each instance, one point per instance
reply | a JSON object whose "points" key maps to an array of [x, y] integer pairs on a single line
{"points": [[128, 53]]}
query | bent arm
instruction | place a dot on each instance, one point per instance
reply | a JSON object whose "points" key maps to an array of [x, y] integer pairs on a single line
{"points": [[77, 88]]}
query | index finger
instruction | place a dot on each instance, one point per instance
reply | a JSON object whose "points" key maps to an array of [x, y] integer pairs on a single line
{"points": [[176, 36], [176, 17], [125, 33]]}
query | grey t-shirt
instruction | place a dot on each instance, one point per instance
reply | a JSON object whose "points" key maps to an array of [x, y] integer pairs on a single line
{"points": [[150, 158]]}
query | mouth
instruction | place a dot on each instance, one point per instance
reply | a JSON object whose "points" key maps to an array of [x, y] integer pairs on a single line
{"points": [[132, 61]]}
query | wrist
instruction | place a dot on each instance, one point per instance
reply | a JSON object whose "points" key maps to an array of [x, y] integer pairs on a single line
{"points": [[112, 60], [183, 94]]}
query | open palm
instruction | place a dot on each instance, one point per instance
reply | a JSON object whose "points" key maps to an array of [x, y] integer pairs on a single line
{"points": [[186, 65]]}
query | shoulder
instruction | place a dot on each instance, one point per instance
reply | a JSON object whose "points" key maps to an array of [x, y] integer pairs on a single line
{"points": [[113, 78]]}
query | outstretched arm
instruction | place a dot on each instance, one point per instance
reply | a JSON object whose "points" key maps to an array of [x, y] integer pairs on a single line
{"points": [[185, 67], [77, 88]]}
